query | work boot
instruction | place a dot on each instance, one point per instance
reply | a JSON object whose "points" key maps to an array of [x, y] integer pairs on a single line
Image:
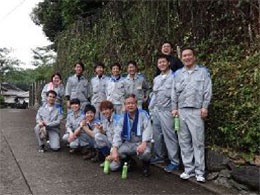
{"points": [[146, 168], [90, 154]]}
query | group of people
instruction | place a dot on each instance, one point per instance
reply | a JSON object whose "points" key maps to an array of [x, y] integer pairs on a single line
{"points": [[105, 119]]}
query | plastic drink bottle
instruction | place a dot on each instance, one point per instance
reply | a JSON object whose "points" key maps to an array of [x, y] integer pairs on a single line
{"points": [[124, 171], [176, 123], [106, 166]]}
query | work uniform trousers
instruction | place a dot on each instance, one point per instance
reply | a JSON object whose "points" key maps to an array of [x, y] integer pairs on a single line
{"points": [[191, 139], [129, 149], [163, 131], [159, 149], [54, 137], [84, 140]]}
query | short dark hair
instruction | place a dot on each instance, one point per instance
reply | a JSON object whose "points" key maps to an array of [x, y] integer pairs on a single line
{"points": [[96, 64], [75, 101], [131, 95], [51, 92], [188, 48], [132, 62], [90, 107], [115, 64], [81, 64], [56, 73], [159, 56], [106, 105], [166, 41]]}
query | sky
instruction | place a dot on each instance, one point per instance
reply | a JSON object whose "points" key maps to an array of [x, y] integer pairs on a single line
{"points": [[17, 30]]}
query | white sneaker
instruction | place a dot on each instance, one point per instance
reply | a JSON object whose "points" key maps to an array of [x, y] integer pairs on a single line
{"points": [[200, 178], [186, 175]]}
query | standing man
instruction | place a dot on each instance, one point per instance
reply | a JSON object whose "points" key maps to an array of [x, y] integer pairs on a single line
{"points": [[162, 118], [191, 95], [78, 87], [48, 120], [98, 87], [115, 90], [136, 84], [133, 136], [175, 63]]}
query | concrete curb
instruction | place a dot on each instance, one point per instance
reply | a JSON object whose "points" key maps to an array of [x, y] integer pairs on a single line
{"points": [[209, 185]]}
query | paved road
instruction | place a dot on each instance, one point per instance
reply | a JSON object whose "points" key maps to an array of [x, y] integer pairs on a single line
{"points": [[25, 171]]}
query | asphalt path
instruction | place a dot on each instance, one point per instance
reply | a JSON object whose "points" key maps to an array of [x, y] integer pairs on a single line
{"points": [[25, 171]]}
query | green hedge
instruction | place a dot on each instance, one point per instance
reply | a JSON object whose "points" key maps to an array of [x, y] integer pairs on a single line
{"points": [[125, 31]]}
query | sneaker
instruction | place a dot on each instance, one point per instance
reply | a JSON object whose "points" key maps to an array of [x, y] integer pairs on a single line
{"points": [[72, 150], [156, 160], [171, 167], [41, 149], [200, 178], [186, 175]]}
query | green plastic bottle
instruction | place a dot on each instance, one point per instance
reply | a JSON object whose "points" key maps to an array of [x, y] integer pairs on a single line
{"points": [[176, 123], [106, 166], [124, 171]]}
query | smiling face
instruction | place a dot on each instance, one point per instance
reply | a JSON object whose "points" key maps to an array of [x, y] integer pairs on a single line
{"points": [[163, 64], [107, 113], [51, 98], [115, 71], [130, 104], [90, 115], [75, 107], [166, 48], [56, 80], [131, 69], [78, 69], [99, 70], [188, 58]]}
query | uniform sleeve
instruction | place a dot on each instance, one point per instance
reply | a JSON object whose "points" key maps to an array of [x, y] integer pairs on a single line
{"points": [[147, 87], [38, 115], [91, 89], [207, 91], [44, 93], [147, 134], [68, 125], [117, 139], [174, 98], [62, 90], [57, 120], [68, 89]]}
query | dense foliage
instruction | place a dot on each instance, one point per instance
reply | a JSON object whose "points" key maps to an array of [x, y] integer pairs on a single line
{"points": [[225, 34]]}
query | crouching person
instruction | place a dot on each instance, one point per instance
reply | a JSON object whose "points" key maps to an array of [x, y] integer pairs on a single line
{"points": [[84, 131], [73, 122], [48, 120], [104, 133], [132, 137]]}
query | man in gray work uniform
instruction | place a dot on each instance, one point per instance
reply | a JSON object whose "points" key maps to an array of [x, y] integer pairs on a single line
{"points": [[132, 136], [162, 118], [98, 87], [135, 83], [48, 120], [78, 87], [191, 95]]}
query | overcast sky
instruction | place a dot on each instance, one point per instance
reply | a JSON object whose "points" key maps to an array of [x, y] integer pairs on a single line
{"points": [[17, 31]]}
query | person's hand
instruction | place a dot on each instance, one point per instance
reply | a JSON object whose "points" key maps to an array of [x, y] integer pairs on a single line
{"points": [[68, 104], [83, 123], [99, 127], [71, 137], [42, 124], [175, 113], [114, 156], [204, 112], [140, 149]]}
